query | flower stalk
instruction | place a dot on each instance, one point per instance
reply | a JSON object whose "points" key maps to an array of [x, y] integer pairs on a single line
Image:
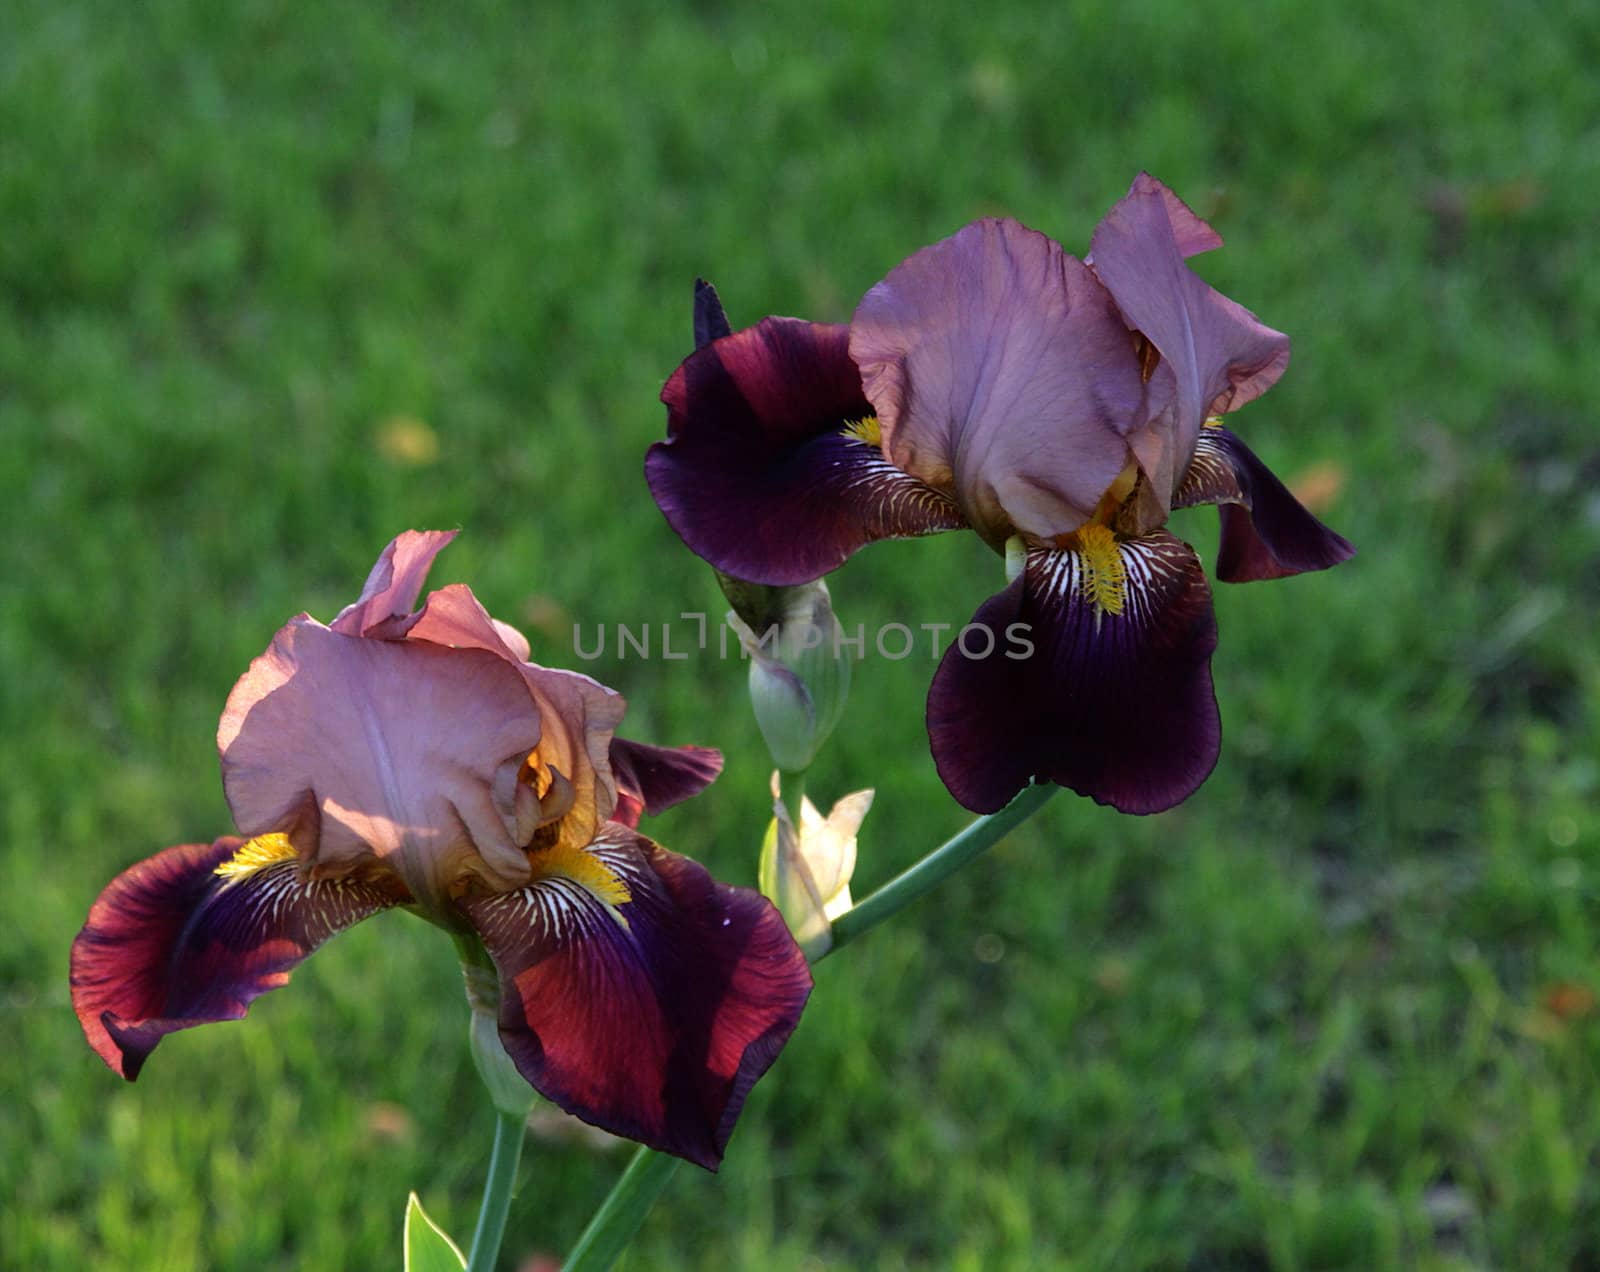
{"points": [[939, 865], [622, 1212], [509, 1131], [791, 789]]}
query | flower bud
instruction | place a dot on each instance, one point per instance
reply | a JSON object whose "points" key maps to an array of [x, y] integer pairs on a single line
{"points": [[805, 870], [509, 1091], [799, 667]]}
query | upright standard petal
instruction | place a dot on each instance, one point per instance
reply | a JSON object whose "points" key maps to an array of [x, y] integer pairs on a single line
{"points": [[393, 585], [396, 749], [762, 473], [651, 779], [710, 322], [577, 714], [452, 615], [195, 933], [639, 993], [999, 368], [1215, 354], [1266, 532], [1105, 687], [578, 717]]}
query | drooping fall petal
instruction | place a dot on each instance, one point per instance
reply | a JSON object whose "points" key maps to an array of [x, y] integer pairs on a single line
{"points": [[651, 779], [999, 368], [1215, 354], [171, 943], [1115, 705], [1266, 532], [639, 993], [758, 474]]}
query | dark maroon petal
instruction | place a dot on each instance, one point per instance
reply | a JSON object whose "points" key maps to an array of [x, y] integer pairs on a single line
{"points": [[651, 779], [756, 475], [654, 1018], [1266, 532], [710, 323], [1215, 354], [171, 944], [1119, 707]]}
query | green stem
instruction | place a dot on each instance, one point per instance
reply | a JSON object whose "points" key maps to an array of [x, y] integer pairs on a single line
{"points": [[938, 865], [508, 1136], [792, 782], [622, 1212]]}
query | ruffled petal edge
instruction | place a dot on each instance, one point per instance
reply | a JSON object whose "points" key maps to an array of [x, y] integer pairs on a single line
{"points": [[650, 1015], [197, 932]]}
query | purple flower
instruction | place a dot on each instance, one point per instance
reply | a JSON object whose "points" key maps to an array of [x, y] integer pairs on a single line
{"points": [[419, 760], [1061, 408]]}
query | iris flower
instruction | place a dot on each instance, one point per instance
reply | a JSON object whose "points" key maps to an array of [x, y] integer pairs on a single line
{"points": [[418, 760], [1062, 409]]}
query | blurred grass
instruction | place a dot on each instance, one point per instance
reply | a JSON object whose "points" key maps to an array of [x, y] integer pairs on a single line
{"points": [[1336, 1011]]}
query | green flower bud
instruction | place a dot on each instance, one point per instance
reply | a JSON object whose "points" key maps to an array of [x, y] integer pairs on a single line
{"points": [[799, 667], [508, 1089]]}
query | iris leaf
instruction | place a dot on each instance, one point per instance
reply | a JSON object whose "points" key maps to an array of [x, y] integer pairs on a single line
{"points": [[428, 1246]]}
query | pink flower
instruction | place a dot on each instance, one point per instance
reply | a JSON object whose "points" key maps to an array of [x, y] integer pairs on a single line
{"points": [[418, 759], [1060, 408]]}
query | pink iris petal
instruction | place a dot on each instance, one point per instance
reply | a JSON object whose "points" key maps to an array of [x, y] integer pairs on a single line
{"points": [[1191, 234], [651, 779], [394, 747], [393, 734], [1215, 354], [170, 944], [652, 1018], [1118, 707], [756, 475], [999, 367], [392, 587], [417, 758], [578, 714], [1266, 532]]}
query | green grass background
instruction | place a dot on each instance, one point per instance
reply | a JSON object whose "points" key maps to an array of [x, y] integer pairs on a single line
{"points": [[1330, 1013]]}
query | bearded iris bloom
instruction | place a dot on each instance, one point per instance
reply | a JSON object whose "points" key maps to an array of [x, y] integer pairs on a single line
{"points": [[419, 760], [1062, 409]]}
